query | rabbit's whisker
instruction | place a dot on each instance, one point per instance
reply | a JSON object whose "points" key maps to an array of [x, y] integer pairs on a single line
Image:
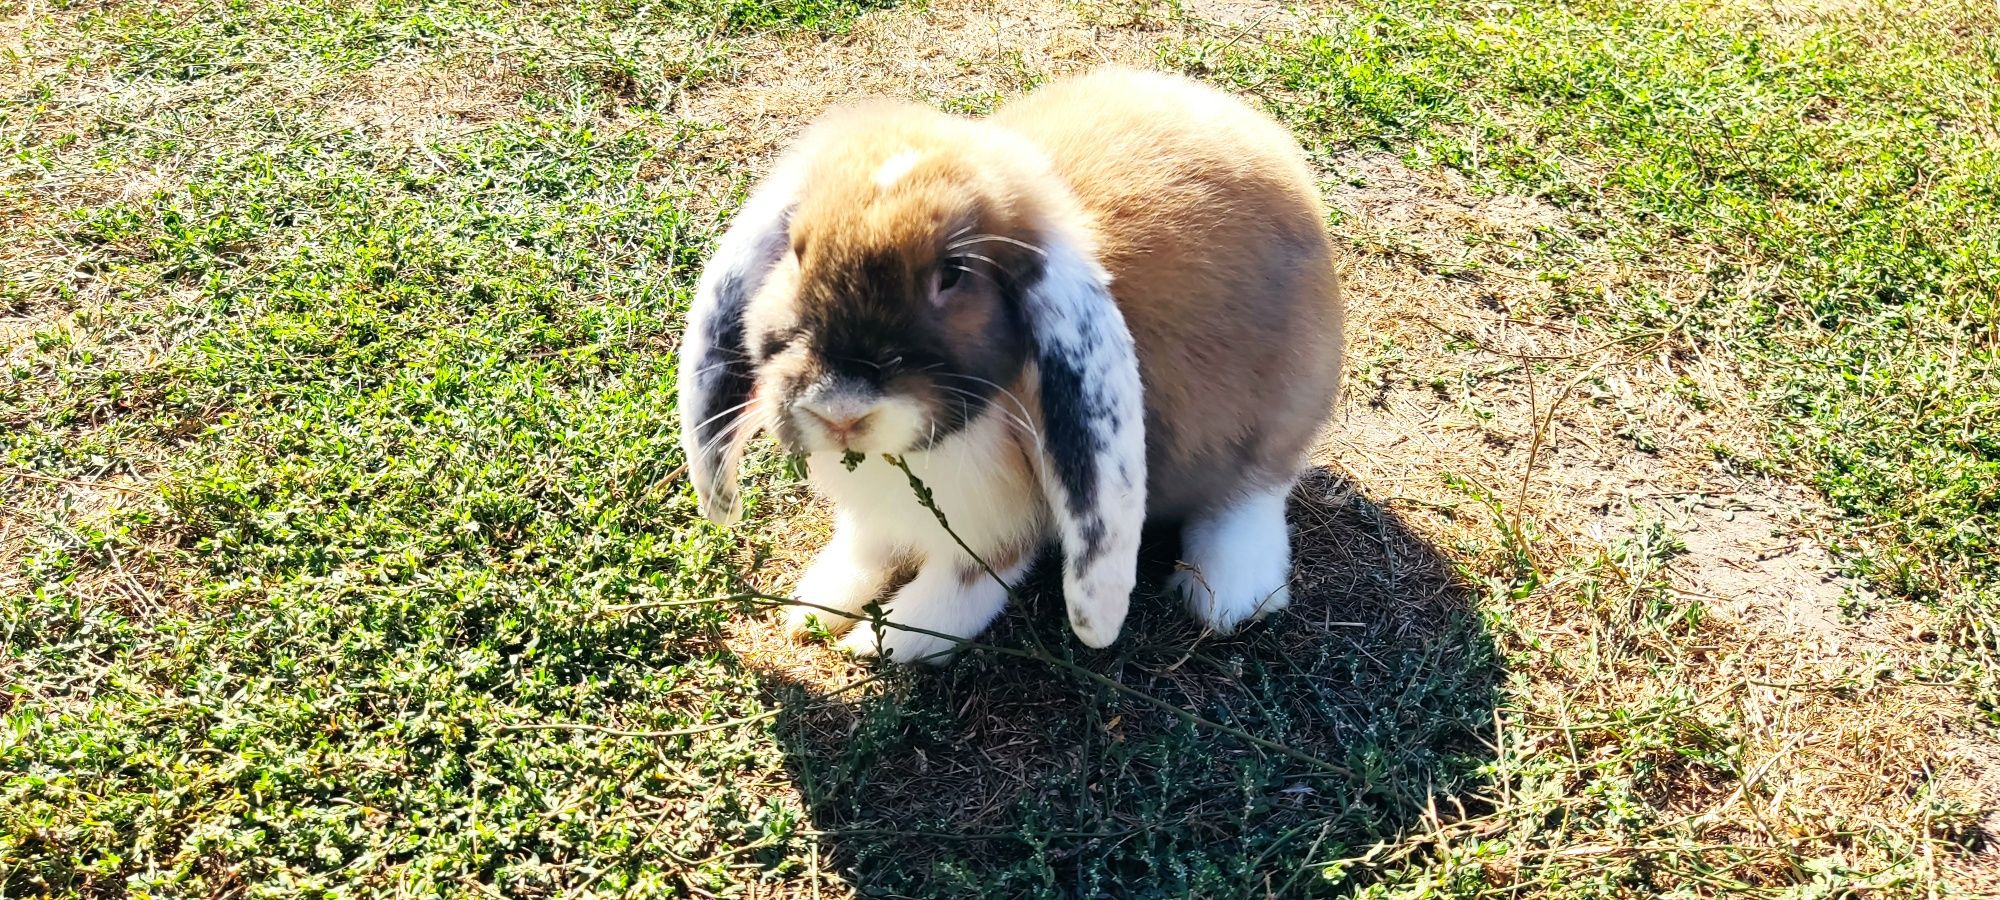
{"points": [[989, 261], [705, 422], [987, 238], [735, 430], [1027, 429], [1010, 395]]}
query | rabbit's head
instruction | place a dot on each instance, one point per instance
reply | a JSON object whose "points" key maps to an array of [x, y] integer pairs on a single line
{"points": [[892, 318], [899, 275]]}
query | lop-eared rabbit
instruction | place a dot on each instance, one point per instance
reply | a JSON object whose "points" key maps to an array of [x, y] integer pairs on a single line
{"points": [[1111, 301]]}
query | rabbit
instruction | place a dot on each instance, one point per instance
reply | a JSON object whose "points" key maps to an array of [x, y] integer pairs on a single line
{"points": [[1110, 302]]}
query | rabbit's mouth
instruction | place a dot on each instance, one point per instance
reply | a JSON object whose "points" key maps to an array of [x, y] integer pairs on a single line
{"points": [[836, 416]]}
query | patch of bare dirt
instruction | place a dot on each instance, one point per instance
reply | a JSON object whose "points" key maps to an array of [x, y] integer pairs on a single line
{"points": [[1748, 557], [411, 102], [15, 20], [1466, 364], [964, 54]]}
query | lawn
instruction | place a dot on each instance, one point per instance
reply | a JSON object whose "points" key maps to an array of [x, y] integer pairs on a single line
{"points": [[345, 548]]}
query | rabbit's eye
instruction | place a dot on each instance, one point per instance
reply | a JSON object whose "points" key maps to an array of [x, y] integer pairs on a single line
{"points": [[950, 273]]}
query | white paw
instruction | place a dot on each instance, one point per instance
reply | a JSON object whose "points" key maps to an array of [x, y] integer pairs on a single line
{"points": [[1237, 563], [1223, 603], [946, 603], [805, 621], [898, 645], [835, 588]]}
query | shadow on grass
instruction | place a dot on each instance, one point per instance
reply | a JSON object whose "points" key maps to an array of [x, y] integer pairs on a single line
{"points": [[1001, 776]]}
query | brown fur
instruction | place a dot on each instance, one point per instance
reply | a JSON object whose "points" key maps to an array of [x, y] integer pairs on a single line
{"points": [[862, 256], [1203, 211], [1210, 224]]}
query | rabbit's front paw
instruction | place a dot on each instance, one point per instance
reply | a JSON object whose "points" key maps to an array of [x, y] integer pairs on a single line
{"points": [[896, 644], [946, 603], [832, 608], [833, 591]]}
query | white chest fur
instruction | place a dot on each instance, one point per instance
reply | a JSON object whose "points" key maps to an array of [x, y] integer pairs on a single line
{"points": [[982, 478]]}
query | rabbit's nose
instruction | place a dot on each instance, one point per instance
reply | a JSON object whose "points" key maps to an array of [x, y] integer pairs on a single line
{"points": [[844, 426], [841, 405], [844, 413]]}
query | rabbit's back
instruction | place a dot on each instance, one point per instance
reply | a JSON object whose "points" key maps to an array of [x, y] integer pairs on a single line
{"points": [[1208, 219]]}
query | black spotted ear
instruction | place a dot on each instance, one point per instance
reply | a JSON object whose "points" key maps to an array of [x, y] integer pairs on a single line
{"points": [[715, 371], [1093, 436]]}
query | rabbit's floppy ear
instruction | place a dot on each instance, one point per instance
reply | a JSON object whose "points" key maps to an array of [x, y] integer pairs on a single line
{"points": [[715, 373], [1093, 435]]}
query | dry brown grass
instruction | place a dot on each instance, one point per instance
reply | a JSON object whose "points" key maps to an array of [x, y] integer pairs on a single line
{"points": [[1829, 744]]}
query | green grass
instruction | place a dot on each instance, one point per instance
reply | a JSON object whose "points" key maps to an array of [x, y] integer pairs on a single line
{"points": [[345, 557], [1835, 184], [409, 429]]}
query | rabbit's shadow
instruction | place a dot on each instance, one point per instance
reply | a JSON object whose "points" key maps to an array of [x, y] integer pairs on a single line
{"points": [[1371, 699]]}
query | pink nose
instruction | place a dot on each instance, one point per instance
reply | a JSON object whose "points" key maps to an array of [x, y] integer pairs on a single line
{"points": [[844, 427]]}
